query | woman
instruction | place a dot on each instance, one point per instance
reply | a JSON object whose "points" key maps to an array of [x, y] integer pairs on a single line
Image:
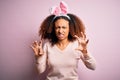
{"points": [[64, 45]]}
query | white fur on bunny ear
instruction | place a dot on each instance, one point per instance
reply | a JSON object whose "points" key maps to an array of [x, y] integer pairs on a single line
{"points": [[64, 7], [55, 10]]}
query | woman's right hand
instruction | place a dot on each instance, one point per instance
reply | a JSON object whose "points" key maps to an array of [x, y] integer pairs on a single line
{"points": [[37, 48]]}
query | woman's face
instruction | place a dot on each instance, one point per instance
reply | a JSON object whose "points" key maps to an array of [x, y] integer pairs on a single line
{"points": [[62, 29]]}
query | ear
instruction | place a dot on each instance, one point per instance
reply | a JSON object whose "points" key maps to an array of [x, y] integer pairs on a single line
{"points": [[64, 7], [55, 10]]}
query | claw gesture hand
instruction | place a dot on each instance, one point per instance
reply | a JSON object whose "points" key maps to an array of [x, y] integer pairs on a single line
{"points": [[82, 43], [37, 48]]}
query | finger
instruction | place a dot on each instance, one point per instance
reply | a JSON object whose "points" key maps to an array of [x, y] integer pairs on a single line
{"points": [[83, 35], [40, 43], [35, 43], [77, 49], [87, 41], [76, 37], [32, 47]]}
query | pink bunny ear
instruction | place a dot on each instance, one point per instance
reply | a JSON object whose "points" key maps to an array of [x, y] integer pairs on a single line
{"points": [[55, 10], [60, 10], [64, 7]]}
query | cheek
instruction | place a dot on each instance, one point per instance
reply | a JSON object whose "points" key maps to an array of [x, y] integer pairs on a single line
{"points": [[67, 31], [56, 30]]}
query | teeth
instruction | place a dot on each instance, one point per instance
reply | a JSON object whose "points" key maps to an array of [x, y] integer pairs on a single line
{"points": [[60, 35]]}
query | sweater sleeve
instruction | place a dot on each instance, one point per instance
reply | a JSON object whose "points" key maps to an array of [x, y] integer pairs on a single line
{"points": [[42, 61], [89, 61]]}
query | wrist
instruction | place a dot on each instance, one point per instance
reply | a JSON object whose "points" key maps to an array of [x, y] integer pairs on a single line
{"points": [[37, 56], [84, 51], [86, 54]]}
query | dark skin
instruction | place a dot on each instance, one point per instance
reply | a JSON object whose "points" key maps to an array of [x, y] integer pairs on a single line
{"points": [[62, 30], [37, 46]]}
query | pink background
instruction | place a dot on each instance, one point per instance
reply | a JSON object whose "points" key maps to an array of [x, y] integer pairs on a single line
{"points": [[19, 24]]}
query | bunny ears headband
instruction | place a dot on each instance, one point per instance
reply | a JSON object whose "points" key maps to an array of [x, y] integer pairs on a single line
{"points": [[60, 10]]}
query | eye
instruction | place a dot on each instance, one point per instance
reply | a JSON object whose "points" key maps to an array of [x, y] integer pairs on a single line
{"points": [[64, 27], [57, 27]]}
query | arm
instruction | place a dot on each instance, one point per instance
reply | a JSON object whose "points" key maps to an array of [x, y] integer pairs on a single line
{"points": [[41, 63], [40, 56], [88, 60]]}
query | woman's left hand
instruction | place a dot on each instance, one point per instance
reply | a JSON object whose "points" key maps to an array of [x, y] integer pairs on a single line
{"points": [[82, 43]]}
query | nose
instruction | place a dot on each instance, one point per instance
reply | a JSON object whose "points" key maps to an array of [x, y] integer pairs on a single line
{"points": [[60, 30]]}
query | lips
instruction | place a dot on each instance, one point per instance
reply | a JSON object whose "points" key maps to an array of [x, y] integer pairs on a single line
{"points": [[60, 35]]}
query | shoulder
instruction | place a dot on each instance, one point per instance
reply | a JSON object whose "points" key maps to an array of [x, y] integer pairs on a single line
{"points": [[75, 42], [46, 43]]}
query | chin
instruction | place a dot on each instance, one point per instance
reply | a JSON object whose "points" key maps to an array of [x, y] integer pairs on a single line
{"points": [[60, 38]]}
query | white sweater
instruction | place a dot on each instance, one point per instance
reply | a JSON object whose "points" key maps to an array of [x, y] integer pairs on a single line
{"points": [[63, 64]]}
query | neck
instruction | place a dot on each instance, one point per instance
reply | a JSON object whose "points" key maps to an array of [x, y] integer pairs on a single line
{"points": [[63, 42]]}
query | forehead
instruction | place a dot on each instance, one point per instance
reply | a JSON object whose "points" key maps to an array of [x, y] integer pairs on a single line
{"points": [[62, 22]]}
